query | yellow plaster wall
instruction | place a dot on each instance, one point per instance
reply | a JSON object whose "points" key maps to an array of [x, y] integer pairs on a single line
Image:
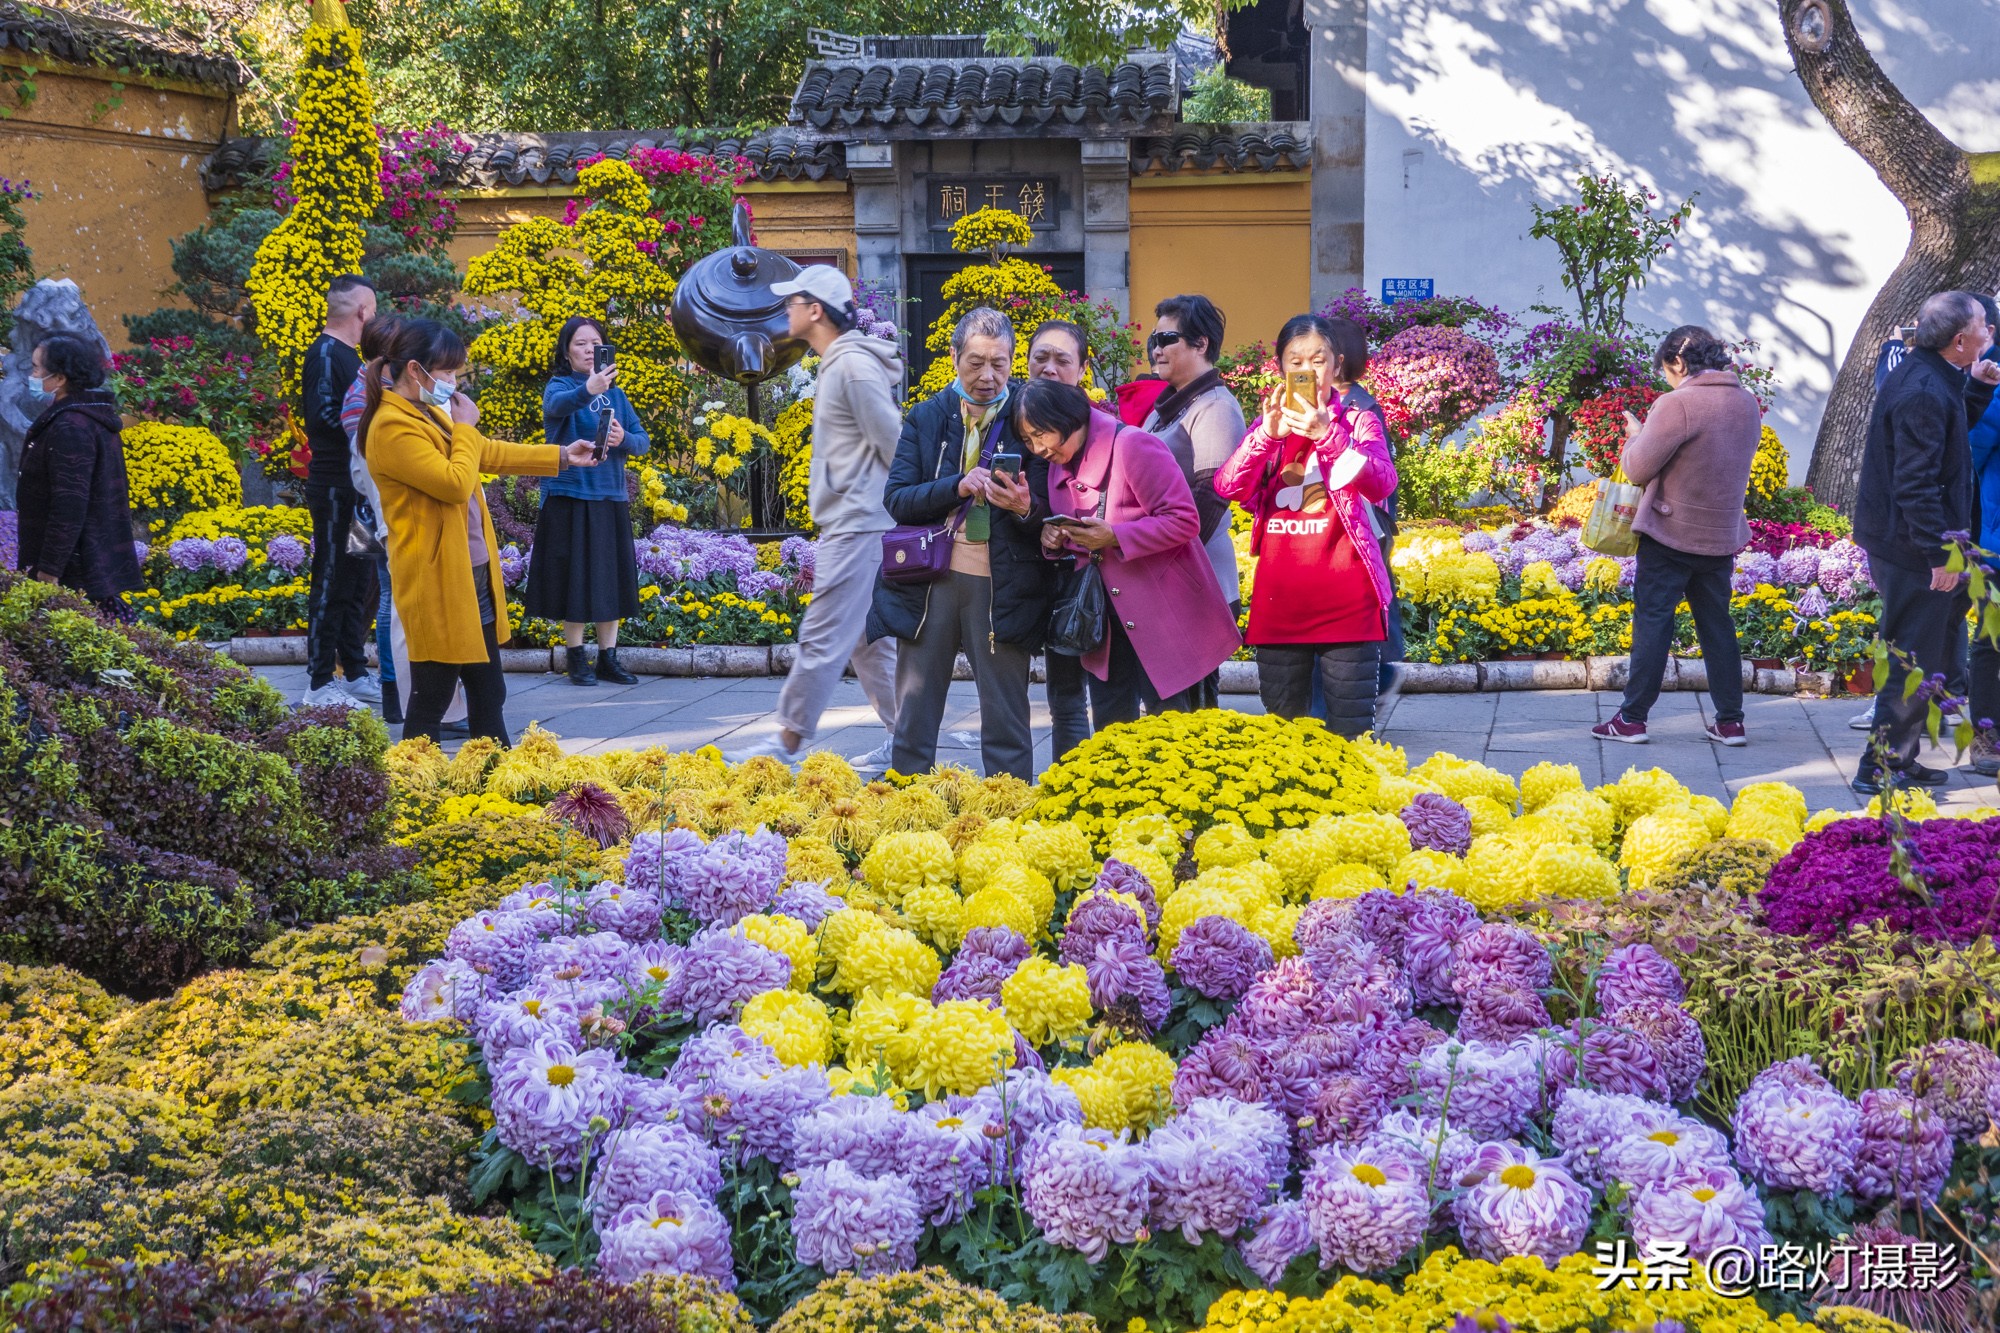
{"points": [[115, 184], [1243, 241]]}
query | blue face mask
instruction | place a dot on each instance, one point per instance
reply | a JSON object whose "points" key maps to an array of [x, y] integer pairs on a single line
{"points": [[38, 390], [439, 394], [959, 389]]}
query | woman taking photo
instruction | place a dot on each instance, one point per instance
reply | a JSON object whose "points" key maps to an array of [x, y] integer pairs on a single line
{"points": [[1307, 472], [1118, 497], [76, 521], [582, 570], [1057, 351], [425, 455]]}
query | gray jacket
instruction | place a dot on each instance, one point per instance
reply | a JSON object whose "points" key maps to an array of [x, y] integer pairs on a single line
{"points": [[855, 427], [1202, 439]]}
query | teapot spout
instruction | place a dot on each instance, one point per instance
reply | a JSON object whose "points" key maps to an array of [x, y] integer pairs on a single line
{"points": [[749, 358]]}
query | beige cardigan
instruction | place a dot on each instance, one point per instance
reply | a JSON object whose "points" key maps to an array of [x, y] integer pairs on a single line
{"points": [[1693, 457]]}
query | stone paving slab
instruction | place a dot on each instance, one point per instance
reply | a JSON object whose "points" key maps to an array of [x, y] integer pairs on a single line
{"points": [[1803, 741]]}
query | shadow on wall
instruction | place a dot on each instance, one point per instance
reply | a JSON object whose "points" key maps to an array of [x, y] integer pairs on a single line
{"points": [[1792, 233]]}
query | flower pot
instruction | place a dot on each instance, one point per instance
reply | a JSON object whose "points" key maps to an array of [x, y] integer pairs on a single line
{"points": [[1767, 663], [1859, 680], [256, 634], [291, 634], [1552, 657]]}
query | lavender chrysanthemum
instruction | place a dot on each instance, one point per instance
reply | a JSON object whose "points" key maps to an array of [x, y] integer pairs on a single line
{"points": [[1118, 877], [807, 902], [500, 945], [1953, 1077], [1587, 1121], [1356, 974], [723, 971], [731, 878], [1671, 1150], [1085, 1189], [635, 1162], [1366, 1206], [718, 1050], [1501, 1009], [1676, 1041], [1905, 1150], [1705, 1210], [670, 1232], [974, 976], [1521, 1204], [995, 942], [632, 914], [1095, 918], [1490, 1090], [1383, 919], [1026, 1102], [1498, 950], [1438, 1149], [1285, 1002], [1344, 1109], [842, 1220], [442, 990], [1438, 921], [287, 552], [1437, 823], [658, 970], [1219, 957], [1324, 917], [1614, 1059], [1122, 973], [1223, 1064], [947, 1158], [1208, 1173], [1636, 972], [864, 1132], [1283, 1234], [752, 1113], [545, 1096], [657, 862], [1800, 1138]]}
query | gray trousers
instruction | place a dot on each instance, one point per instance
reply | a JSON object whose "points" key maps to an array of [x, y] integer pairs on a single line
{"points": [[835, 632], [959, 619]]}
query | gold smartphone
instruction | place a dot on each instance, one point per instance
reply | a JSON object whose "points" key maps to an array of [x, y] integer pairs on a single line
{"points": [[1302, 391]]}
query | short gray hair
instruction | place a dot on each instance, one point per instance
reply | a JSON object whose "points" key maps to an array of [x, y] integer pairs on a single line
{"points": [[1944, 316], [983, 321]]}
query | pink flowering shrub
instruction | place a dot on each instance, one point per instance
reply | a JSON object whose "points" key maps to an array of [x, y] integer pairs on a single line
{"points": [[1431, 381]]}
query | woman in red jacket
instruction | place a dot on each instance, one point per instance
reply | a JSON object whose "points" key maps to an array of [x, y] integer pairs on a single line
{"points": [[1309, 477]]}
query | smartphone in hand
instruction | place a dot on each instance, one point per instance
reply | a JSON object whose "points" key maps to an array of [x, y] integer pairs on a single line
{"points": [[603, 440], [1007, 463], [1302, 391]]}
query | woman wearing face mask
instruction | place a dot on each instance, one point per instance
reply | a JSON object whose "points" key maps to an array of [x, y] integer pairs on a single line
{"points": [[1307, 473], [76, 522], [1057, 351], [425, 455], [582, 571], [1118, 496]]}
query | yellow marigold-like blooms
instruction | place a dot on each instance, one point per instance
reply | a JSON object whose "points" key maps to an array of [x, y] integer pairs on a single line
{"points": [[1779, 797], [961, 1047], [455, 808], [1545, 781], [998, 907], [1378, 840], [1565, 870], [847, 1082], [1224, 845], [978, 863], [1389, 760], [788, 936], [1540, 827], [1046, 1001], [1060, 853], [1594, 818], [171, 470], [1351, 879], [1145, 1077], [1497, 872], [810, 859], [1655, 843], [891, 960], [1638, 793], [1913, 802], [884, 1026], [1302, 856], [798, 1027], [1395, 793], [1488, 815], [1462, 779], [900, 862], [914, 808], [1713, 813], [1102, 1096], [936, 914], [1429, 868]]}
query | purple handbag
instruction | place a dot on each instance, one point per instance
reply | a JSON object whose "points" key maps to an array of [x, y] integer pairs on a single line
{"points": [[914, 553]]}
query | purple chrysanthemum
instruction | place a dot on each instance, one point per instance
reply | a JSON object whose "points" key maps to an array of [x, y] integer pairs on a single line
{"points": [[752, 1113], [1096, 918], [1797, 1138], [1438, 921], [534, 1013], [1122, 972], [633, 914], [1358, 975], [1026, 1102], [842, 1220], [635, 1162], [718, 1050], [1283, 1003], [947, 1158], [1499, 949], [545, 1096], [1085, 1189], [1390, 1058], [1587, 1121], [1366, 1206], [1636, 972], [974, 976], [500, 945], [1489, 1091], [1208, 1173], [1283, 1234], [1344, 1109], [1297, 1068], [807, 902], [1676, 1041], [1223, 1064], [1705, 1210], [995, 942], [731, 878], [1439, 1149], [672, 1231], [1382, 918], [1520, 1204], [659, 970], [443, 990], [1219, 957], [1953, 1077], [723, 971], [1437, 823], [864, 1132], [1905, 1149], [287, 552], [1500, 1010], [1664, 1153], [1324, 917], [1118, 877], [658, 861], [1615, 1059]]}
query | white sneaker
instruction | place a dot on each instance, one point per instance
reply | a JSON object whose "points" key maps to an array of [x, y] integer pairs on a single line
{"points": [[367, 689], [330, 696], [1864, 720], [876, 760], [771, 747]]}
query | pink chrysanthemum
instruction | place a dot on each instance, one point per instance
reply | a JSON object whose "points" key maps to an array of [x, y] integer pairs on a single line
{"points": [[1520, 1204], [1366, 1207]]}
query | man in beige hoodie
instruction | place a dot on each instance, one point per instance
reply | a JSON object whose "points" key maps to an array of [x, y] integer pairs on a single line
{"points": [[855, 426]]}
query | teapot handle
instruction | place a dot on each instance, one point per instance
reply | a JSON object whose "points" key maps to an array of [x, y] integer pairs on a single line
{"points": [[740, 223]]}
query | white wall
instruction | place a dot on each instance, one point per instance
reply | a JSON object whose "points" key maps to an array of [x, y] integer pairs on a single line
{"points": [[1479, 107]]}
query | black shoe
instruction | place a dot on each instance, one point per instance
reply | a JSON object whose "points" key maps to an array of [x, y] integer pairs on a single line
{"points": [[392, 708], [609, 670], [1871, 780], [454, 728], [578, 660]]}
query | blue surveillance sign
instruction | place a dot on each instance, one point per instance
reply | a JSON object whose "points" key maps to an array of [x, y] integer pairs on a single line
{"points": [[1407, 289]]}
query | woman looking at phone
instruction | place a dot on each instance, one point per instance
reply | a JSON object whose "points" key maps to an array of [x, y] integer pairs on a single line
{"points": [[583, 570], [425, 453], [1057, 352], [1308, 472], [1117, 495]]}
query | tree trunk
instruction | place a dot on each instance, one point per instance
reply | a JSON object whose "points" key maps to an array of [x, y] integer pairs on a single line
{"points": [[1952, 197]]}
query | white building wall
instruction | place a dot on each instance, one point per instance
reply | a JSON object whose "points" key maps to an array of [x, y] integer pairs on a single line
{"points": [[1479, 107]]}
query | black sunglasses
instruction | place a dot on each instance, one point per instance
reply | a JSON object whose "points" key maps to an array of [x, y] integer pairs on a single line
{"points": [[1164, 338]]}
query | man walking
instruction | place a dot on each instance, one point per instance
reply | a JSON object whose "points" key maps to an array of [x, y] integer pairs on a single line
{"points": [[855, 427], [1917, 484], [342, 599]]}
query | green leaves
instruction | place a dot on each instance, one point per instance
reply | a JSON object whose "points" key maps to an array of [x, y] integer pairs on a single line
{"points": [[1609, 240]]}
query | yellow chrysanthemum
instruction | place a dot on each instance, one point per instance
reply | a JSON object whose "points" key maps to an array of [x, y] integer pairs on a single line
{"points": [[1714, 814], [998, 907], [812, 860], [1462, 779], [936, 914], [1154, 833], [798, 1027], [978, 863], [900, 862], [1145, 1077], [788, 936], [1301, 856], [1655, 842], [885, 1027], [1429, 868], [1046, 1001], [1101, 1095], [961, 1047], [1350, 879], [1224, 845], [1488, 815], [1030, 888], [1594, 818], [887, 959], [1371, 839], [846, 1082], [1059, 853], [1642, 792], [1565, 870]]}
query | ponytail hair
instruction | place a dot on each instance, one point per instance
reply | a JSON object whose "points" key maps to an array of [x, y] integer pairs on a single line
{"points": [[1695, 348], [423, 341]]}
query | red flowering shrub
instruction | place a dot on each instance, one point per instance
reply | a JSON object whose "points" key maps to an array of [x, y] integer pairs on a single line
{"points": [[1432, 380], [191, 382], [1597, 428], [1774, 539], [1840, 876]]}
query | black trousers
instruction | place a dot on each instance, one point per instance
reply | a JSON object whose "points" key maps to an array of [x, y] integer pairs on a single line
{"points": [[1664, 577], [1069, 704], [432, 685], [1924, 624], [1346, 673], [1119, 698], [341, 603]]}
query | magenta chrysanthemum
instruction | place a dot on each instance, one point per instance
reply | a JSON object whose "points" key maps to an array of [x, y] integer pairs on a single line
{"points": [[1123, 975], [1636, 972], [1501, 1009], [1118, 877], [1499, 950], [1366, 1207], [1438, 921], [842, 1220], [1085, 1189], [1223, 1064], [1705, 1210], [1437, 823], [1220, 958], [1098, 917], [1521, 1204], [671, 1231]]}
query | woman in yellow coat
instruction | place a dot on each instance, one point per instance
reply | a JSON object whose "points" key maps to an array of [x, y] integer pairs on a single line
{"points": [[443, 559]]}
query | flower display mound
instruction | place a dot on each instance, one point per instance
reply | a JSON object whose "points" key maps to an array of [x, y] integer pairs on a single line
{"points": [[166, 811], [130, 1298], [176, 470], [217, 573], [1843, 876], [919, 1032], [928, 1300], [1201, 768]]}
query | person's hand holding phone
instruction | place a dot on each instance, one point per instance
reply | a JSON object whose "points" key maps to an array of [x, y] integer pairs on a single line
{"points": [[1632, 425], [973, 484], [1053, 539], [464, 411], [580, 453], [616, 435], [1311, 425], [1092, 534], [600, 380], [1007, 490]]}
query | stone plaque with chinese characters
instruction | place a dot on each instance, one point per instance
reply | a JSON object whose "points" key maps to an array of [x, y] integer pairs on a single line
{"points": [[1033, 197]]}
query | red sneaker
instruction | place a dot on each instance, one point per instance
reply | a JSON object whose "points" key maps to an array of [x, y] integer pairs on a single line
{"points": [[1726, 733], [1619, 729]]}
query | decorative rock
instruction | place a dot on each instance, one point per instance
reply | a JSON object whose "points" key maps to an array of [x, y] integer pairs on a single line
{"points": [[277, 651], [656, 661], [1238, 678], [53, 305], [1533, 676], [525, 659]]}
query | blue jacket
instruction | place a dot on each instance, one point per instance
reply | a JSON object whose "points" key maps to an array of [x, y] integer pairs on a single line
{"points": [[1985, 441], [570, 413]]}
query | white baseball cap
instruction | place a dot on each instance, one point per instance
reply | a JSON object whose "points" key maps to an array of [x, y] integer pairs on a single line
{"points": [[823, 283]]}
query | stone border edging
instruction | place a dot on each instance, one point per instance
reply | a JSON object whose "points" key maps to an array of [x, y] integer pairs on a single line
{"points": [[744, 661]]}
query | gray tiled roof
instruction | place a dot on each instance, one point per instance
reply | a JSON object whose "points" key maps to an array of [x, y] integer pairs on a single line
{"points": [[1039, 96], [1279, 145], [103, 36]]}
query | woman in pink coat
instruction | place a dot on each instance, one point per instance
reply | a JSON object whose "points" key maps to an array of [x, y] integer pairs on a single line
{"points": [[1117, 494], [1310, 474]]}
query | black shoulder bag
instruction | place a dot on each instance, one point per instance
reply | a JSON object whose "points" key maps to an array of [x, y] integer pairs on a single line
{"points": [[1082, 617]]}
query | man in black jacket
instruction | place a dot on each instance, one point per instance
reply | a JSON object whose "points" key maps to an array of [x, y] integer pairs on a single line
{"points": [[993, 605], [343, 586], [1917, 484]]}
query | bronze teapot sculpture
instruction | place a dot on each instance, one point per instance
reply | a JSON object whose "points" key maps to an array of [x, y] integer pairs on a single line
{"points": [[725, 316]]}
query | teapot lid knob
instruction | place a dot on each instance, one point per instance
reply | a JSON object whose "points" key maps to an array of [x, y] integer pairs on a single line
{"points": [[743, 263]]}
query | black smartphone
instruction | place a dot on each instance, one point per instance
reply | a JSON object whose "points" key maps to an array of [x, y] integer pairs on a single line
{"points": [[603, 440], [1062, 521], [1007, 463], [603, 356]]}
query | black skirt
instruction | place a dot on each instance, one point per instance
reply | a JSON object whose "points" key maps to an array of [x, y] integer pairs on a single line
{"points": [[582, 567]]}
